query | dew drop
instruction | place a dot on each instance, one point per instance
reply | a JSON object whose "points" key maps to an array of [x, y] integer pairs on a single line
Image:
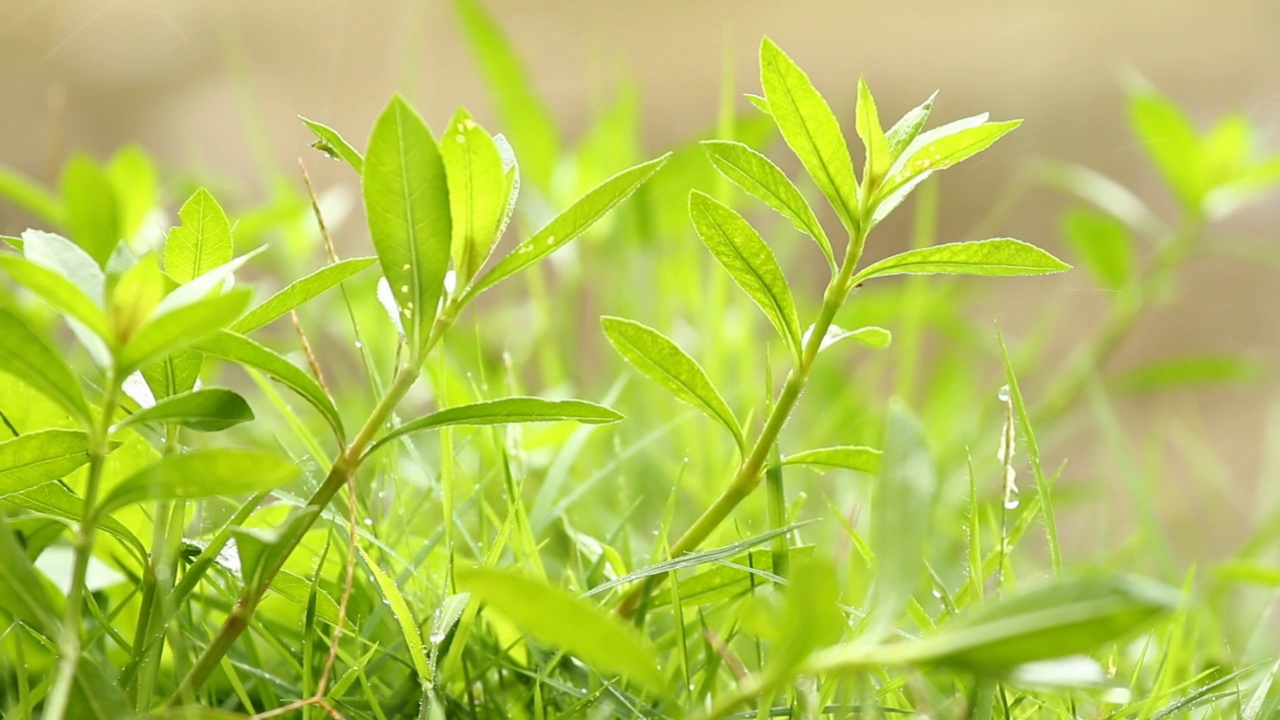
{"points": [[404, 288], [368, 522], [359, 345], [551, 241], [937, 592], [1012, 497], [1004, 394]]}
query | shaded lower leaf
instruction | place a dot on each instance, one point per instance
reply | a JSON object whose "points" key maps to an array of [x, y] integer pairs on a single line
{"points": [[28, 356], [203, 473], [39, 457], [207, 410]]}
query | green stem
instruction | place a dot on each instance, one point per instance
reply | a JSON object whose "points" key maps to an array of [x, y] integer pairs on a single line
{"points": [[69, 636], [154, 585]]}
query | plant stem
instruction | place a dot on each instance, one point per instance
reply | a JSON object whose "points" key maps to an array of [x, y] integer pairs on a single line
{"points": [[69, 635]]}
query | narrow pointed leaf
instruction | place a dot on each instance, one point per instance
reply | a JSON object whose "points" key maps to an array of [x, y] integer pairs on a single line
{"points": [[202, 473], [407, 201], [202, 242], [908, 128], [299, 292], [1001, 257], [810, 129], [557, 618], [39, 457], [403, 616], [28, 356], [54, 500], [570, 224], [181, 328], [58, 291], [206, 410], [930, 154], [32, 197], [89, 200], [240, 349], [507, 411], [749, 261], [329, 142], [477, 192], [26, 597], [756, 174], [1171, 140], [849, 457], [871, 336], [662, 361], [870, 131]]}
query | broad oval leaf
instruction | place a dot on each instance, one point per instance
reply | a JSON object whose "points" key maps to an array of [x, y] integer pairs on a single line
{"points": [[28, 356], [406, 198], [200, 474], [172, 331], [757, 174], [570, 224], [810, 129], [557, 618], [871, 132], [299, 292], [89, 201], [202, 242], [1000, 257], [206, 410], [403, 616], [1064, 617], [240, 349], [662, 361], [930, 152], [39, 457], [744, 254], [507, 411], [477, 193], [58, 291], [849, 457], [329, 142]]}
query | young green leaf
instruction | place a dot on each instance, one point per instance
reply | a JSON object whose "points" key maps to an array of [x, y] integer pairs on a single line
{"points": [[404, 617], [749, 261], [756, 174], [1103, 243], [178, 329], [407, 201], [39, 457], [89, 199], [662, 361], [872, 336], [1171, 373], [329, 142], [28, 356], [202, 242], [810, 129], [523, 114], [568, 225], [901, 517], [477, 193], [850, 457], [202, 473], [134, 299], [58, 291], [935, 150], [1172, 142], [1064, 617], [876, 145], [240, 349], [908, 127], [133, 177], [299, 292], [1000, 257], [32, 197], [206, 410], [555, 617], [26, 597], [507, 411], [69, 260], [174, 374]]}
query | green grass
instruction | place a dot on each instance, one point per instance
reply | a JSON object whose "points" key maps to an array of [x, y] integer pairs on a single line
{"points": [[800, 487]]}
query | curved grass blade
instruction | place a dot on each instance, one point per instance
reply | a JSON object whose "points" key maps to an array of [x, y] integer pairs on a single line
{"points": [[54, 500], [206, 410], [849, 457], [299, 292], [39, 457], [403, 616], [1000, 257], [203, 473], [662, 361], [329, 142]]}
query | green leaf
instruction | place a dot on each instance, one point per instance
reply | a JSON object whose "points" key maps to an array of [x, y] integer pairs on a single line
{"points": [[56, 253], [206, 410], [568, 225], [943, 147], [811, 617], [299, 292], [1064, 617], [404, 617], [749, 261], [872, 336], [134, 298], [202, 242], [1001, 257], [39, 457], [26, 597], [1103, 243], [876, 145], [407, 202], [662, 361], [477, 193], [58, 291], [30, 196], [202, 473], [1191, 371], [524, 116], [810, 129], [181, 328], [54, 500], [133, 176], [901, 517], [507, 411], [263, 550], [1171, 141], [850, 457], [557, 618], [92, 217], [28, 356], [329, 142], [756, 174], [175, 374], [240, 349], [908, 127]]}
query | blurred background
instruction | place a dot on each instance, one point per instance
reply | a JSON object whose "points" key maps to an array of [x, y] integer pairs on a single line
{"points": [[212, 89]]}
